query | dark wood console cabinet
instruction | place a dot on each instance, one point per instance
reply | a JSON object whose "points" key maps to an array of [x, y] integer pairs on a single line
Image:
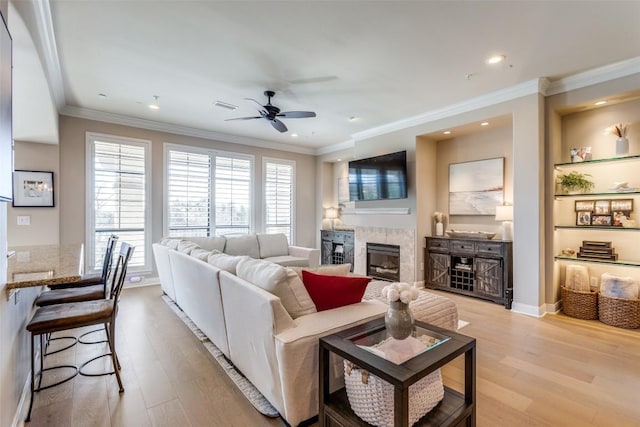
{"points": [[479, 268], [337, 247]]}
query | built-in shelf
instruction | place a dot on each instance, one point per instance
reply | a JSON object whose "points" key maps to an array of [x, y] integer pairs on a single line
{"points": [[590, 162], [595, 227], [598, 261], [612, 193]]}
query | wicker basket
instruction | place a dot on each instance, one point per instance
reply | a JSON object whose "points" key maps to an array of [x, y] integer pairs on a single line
{"points": [[620, 312], [372, 398], [580, 304]]}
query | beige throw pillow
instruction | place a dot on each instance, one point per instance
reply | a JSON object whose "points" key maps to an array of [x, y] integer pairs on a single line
{"points": [[326, 270], [225, 262], [201, 254], [186, 246], [279, 281]]}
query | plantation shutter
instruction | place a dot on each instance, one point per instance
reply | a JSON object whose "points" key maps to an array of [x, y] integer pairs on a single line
{"points": [[232, 195], [278, 195]]}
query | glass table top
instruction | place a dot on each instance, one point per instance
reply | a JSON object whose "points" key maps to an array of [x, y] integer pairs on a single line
{"points": [[380, 343]]}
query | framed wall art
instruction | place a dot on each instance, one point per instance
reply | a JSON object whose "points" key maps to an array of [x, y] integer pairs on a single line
{"points": [[476, 188], [583, 218], [33, 189], [622, 205], [602, 207], [585, 205], [581, 154]]}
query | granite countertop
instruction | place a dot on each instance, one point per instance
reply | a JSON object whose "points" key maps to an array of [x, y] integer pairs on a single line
{"points": [[44, 265]]}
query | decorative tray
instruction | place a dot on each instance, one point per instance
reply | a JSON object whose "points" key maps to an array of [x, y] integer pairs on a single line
{"points": [[484, 235]]}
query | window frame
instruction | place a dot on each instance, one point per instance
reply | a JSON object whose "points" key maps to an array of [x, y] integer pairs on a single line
{"points": [[212, 153], [90, 139], [292, 222]]}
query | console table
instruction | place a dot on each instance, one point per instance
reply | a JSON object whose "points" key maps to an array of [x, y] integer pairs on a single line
{"points": [[455, 409], [479, 268], [337, 247]]}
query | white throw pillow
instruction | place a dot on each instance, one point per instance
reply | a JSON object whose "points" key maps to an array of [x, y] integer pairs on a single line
{"points": [[225, 262], [242, 245], [576, 278], [279, 281], [326, 270], [172, 243], [201, 254], [618, 287], [186, 246]]}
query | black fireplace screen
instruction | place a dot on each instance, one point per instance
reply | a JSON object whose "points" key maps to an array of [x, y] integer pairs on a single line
{"points": [[383, 261]]}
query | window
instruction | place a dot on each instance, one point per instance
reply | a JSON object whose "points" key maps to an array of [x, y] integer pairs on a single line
{"points": [[279, 196], [207, 192], [118, 197]]}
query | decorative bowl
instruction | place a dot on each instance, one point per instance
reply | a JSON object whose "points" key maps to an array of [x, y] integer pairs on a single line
{"points": [[471, 234]]}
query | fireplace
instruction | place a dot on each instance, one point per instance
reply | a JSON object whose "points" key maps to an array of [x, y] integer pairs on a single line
{"points": [[383, 261]]}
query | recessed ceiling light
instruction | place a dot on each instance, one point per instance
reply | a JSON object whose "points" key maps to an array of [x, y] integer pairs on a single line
{"points": [[496, 59], [154, 105], [601, 102], [294, 135], [484, 124], [447, 132], [226, 105], [338, 160]]}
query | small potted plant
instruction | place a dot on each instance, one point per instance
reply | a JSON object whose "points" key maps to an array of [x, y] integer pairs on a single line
{"points": [[575, 182]]}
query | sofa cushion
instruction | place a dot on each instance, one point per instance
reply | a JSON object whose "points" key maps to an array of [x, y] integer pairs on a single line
{"points": [[329, 292], [171, 243], [225, 262], [289, 261], [242, 245], [279, 281], [272, 245], [185, 246], [209, 243]]}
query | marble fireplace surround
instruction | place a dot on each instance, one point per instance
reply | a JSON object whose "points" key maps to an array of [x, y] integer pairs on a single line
{"points": [[403, 237]]}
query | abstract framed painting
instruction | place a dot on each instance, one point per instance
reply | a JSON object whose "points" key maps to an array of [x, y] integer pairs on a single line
{"points": [[33, 189], [477, 187]]}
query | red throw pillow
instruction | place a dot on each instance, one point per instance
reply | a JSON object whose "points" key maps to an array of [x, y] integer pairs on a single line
{"points": [[329, 292]]}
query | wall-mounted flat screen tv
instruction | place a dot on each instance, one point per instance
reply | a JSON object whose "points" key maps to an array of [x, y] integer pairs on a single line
{"points": [[379, 178], [6, 133]]}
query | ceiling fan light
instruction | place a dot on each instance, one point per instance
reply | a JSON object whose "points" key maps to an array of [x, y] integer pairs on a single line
{"points": [[495, 59]]}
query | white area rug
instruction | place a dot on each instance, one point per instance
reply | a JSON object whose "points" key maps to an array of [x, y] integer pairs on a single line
{"points": [[462, 324], [244, 385]]}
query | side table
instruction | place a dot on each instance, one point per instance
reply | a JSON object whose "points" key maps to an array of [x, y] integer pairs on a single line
{"points": [[455, 409]]}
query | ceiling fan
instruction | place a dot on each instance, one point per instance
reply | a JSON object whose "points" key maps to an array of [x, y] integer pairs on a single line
{"points": [[271, 113]]}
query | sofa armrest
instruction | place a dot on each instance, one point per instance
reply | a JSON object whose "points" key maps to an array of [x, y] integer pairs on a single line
{"points": [[313, 255]]}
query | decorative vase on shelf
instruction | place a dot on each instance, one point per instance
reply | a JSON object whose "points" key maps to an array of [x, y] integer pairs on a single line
{"points": [[398, 320], [622, 146], [439, 229]]}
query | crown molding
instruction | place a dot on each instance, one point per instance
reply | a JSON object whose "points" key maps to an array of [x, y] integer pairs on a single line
{"points": [[119, 119], [595, 76], [49, 51], [346, 145], [513, 92]]}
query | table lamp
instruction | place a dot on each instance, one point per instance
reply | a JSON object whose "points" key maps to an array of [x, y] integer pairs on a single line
{"points": [[331, 214], [504, 213]]}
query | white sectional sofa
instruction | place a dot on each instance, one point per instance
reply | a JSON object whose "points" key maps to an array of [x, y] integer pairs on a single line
{"points": [[254, 312]]}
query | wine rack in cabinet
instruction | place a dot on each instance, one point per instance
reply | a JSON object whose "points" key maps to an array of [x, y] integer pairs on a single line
{"points": [[611, 212]]}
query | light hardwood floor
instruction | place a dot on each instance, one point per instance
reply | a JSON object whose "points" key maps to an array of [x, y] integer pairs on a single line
{"points": [[554, 371]]}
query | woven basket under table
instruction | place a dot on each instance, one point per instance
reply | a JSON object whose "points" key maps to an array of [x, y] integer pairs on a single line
{"points": [[371, 398], [620, 312], [580, 304]]}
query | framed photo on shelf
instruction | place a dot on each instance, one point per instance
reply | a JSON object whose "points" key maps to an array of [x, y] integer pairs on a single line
{"points": [[622, 205], [585, 205], [581, 154], [33, 189], [601, 220], [603, 207], [619, 217], [583, 218]]}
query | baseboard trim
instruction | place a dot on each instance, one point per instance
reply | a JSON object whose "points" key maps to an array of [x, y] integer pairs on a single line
{"points": [[554, 308], [529, 310], [18, 418]]}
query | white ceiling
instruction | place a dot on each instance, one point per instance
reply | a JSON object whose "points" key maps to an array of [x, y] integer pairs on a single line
{"points": [[380, 61]]}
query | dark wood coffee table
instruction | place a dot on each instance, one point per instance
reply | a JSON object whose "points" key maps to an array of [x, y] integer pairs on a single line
{"points": [[455, 409]]}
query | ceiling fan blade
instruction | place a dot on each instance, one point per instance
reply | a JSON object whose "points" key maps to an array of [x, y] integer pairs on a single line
{"points": [[278, 125], [244, 118], [297, 114]]}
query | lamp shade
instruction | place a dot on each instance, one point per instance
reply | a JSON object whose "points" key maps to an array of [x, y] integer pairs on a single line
{"points": [[331, 213], [504, 213]]}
